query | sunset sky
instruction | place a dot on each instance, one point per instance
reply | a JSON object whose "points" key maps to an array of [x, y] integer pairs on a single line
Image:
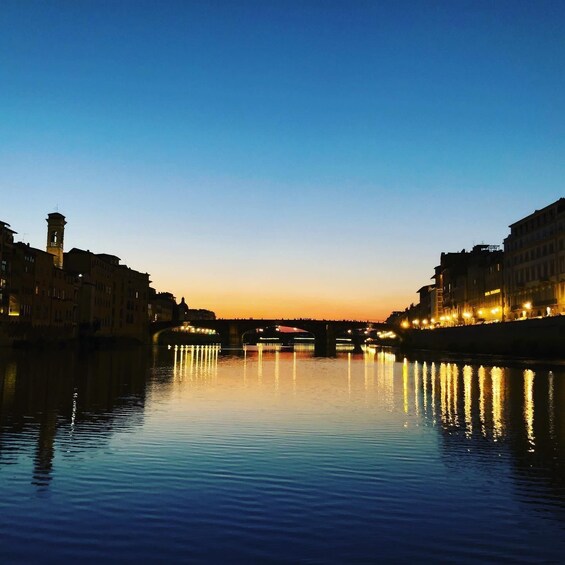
{"points": [[292, 158]]}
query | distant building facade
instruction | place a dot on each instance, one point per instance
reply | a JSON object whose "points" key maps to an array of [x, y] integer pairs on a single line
{"points": [[471, 286], [525, 280], [467, 289], [535, 264]]}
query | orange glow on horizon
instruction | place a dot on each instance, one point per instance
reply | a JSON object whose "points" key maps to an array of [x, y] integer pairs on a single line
{"points": [[292, 307]]}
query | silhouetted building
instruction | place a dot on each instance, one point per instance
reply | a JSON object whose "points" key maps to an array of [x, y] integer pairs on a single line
{"points": [[194, 314], [162, 306], [37, 299], [113, 299], [42, 296], [535, 264], [6, 251], [181, 312], [425, 302]]}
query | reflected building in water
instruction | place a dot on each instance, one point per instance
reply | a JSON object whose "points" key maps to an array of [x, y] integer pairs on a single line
{"points": [[66, 403]]}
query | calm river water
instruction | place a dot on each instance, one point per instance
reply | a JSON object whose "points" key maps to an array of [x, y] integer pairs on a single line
{"points": [[279, 457]]}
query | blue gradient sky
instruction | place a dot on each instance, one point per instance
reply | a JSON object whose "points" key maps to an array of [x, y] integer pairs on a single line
{"points": [[281, 158]]}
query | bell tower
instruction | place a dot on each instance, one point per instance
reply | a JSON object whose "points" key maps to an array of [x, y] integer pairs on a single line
{"points": [[55, 232]]}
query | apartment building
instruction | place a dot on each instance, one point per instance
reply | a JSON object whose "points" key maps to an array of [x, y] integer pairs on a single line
{"points": [[112, 298], [470, 284], [535, 264]]}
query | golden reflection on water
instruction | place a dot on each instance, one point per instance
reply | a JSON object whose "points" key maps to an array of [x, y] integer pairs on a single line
{"points": [[425, 385], [260, 364], [497, 377], [482, 376], [443, 391], [389, 362], [203, 422], [405, 384], [196, 362], [433, 392], [349, 374], [529, 407], [277, 369], [512, 407], [467, 399], [294, 373], [455, 396], [417, 387]]}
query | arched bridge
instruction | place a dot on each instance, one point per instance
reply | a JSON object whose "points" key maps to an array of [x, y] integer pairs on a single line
{"points": [[231, 331]]}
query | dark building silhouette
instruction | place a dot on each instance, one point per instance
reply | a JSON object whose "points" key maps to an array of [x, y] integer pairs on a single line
{"points": [[42, 296], [162, 306], [6, 252], [37, 298], [56, 295], [112, 298], [50, 295]]}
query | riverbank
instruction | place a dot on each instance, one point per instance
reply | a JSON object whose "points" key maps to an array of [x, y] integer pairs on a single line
{"points": [[535, 338]]}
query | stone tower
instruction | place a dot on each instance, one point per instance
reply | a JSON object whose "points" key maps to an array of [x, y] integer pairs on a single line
{"points": [[55, 233]]}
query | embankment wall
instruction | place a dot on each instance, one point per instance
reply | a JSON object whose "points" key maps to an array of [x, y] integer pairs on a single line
{"points": [[537, 337]]}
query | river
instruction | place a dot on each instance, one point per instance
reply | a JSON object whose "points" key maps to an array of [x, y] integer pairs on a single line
{"points": [[274, 456]]}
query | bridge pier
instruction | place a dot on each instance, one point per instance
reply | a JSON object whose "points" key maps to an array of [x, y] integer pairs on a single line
{"points": [[358, 341], [234, 336], [324, 341]]}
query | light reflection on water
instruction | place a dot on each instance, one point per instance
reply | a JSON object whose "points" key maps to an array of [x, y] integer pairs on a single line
{"points": [[274, 455]]}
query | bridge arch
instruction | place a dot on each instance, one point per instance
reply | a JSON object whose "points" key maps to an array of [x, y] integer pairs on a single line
{"points": [[157, 331], [286, 335]]}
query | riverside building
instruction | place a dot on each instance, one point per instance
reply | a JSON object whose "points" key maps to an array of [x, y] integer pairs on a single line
{"points": [[467, 289], [6, 252], [471, 286], [535, 264], [38, 298], [112, 298], [52, 295]]}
